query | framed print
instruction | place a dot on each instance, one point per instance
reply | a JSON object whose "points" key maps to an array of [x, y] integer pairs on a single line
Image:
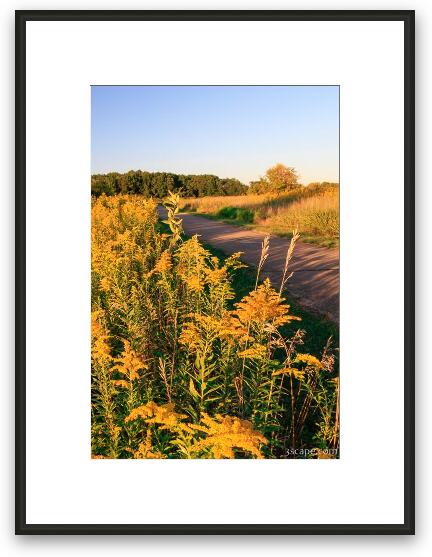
{"points": [[215, 272]]}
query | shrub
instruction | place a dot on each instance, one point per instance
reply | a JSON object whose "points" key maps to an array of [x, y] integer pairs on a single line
{"points": [[243, 216]]}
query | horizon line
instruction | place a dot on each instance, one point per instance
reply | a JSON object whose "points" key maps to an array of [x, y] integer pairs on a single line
{"points": [[203, 174]]}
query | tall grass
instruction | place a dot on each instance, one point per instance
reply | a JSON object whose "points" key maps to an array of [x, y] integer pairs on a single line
{"points": [[313, 210], [180, 370]]}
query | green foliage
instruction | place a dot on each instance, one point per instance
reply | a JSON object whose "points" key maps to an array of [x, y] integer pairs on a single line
{"points": [[174, 223], [242, 216], [278, 179], [158, 184]]}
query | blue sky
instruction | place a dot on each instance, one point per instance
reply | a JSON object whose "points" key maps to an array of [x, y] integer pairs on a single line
{"points": [[235, 132]]}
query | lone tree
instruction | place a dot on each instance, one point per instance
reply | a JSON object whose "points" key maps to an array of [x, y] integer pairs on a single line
{"points": [[277, 179], [281, 178]]}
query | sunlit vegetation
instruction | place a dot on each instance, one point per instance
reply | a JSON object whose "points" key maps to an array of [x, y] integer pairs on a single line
{"points": [[158, 184], [313, 210], [185, 363], [276, 202]]}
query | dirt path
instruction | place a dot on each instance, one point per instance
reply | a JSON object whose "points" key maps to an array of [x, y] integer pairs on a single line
{"points": [[315, 283]]}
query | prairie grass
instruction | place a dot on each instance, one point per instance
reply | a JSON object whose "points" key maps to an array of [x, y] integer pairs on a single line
{"points": [[189, 362], [312, 210]]}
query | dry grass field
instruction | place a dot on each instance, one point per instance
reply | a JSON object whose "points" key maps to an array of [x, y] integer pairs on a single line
{"points": [[313, 210]]}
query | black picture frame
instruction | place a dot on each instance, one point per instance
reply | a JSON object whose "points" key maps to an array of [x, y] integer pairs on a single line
{"points": [[21, 17]]}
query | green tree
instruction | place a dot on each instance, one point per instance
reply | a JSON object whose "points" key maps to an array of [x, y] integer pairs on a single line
{"points": [[232, 186], [258, 186], [134, 181], [101, 183], [158, 184], [281, 178]]}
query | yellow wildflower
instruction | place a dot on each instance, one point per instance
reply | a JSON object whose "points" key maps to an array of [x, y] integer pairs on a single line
{"points": [[263, 305], [145, 450], [308, 360], [105, 284], [101, 352], [164, 264], [215, 276], [254, 352], [292, 371], [232, 329], [194, 283], [191, 262], [190, 336], [129, 364], [226, 433], [153, 414], [203, 328]]}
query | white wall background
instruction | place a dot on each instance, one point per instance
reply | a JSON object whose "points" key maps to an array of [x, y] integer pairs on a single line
{"points": [[40, 545]]}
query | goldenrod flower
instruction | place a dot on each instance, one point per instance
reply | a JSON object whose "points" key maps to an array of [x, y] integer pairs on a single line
{"points": [[292, 371], [145, 450], [203, 328], [153, 414], [129, 364], [226, 433], [164, 263], [105, 284], [189, 336], [194, 283], [101, 351], [263, 305], [215, 276], [254, 352], [232, 329], [308, 360]]}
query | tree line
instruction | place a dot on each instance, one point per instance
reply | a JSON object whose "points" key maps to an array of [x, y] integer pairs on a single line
{"points": [[278, 179], [158, 184]]}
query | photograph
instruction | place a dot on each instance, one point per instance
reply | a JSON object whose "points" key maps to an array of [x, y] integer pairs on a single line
{"points": [[209, 312], [215, 272]]}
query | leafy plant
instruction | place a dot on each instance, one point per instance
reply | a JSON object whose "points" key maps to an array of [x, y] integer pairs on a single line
{"points": [[184, 363]]}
